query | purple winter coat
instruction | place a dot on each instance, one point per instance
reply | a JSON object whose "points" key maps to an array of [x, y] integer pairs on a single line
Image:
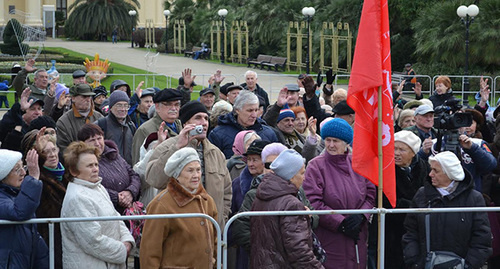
{"points": [[117, 175], [330, 183]]}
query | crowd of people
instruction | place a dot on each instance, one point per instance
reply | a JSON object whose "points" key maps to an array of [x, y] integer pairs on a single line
{"points": [[78, 152]]}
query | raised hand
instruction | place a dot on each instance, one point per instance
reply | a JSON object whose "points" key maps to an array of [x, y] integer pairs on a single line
{"points": [[162, 133], [188, 79], [25, 104], [319, 79], [63, 99], [30, 66], [418, 89], [138, 90], [32, 163], [310, 86], [311, 125], [330, 77], [282, 97], [218, 78]]}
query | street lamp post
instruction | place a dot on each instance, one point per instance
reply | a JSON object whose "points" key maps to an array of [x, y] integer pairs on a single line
{"points": [[308, 12], [167, 13], [132, 14], [467, 15], [222, 14]]}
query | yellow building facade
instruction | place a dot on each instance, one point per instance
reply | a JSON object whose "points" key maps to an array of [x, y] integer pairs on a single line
{"points": [[30, 12]]}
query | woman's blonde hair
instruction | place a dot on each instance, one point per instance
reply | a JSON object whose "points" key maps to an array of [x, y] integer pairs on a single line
{"points": [[72, 156]]}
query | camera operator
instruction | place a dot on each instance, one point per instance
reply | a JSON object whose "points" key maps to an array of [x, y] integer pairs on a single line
{"points": [[453, 126], [424, 122], [214, 174]]}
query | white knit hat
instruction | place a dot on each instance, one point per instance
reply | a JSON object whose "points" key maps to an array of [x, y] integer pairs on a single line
{"points": [[450, 164], [9, 159], [178, 160], [409, 138], [287, 164]]}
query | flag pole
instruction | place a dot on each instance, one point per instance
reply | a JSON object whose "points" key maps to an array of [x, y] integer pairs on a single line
{"points": [[380, 194]]}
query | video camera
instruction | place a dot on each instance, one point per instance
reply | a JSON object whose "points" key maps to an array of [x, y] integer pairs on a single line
{"points": [[448, 120]]}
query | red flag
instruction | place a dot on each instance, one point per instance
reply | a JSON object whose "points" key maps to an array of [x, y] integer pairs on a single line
{"points": [[371, 69]]}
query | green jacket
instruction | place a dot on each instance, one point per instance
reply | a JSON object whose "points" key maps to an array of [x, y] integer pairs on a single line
{"points": [[19, 86]]}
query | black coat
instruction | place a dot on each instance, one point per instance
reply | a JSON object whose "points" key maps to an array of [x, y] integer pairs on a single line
{"points": [[467, 234], [408, 181]]}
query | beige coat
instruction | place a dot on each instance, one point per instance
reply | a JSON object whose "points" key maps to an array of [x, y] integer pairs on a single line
{"points": [[179, 242], [150, 126], [217, 180]]}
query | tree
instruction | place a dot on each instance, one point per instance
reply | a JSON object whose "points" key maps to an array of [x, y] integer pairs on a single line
{"points": [[90, 18], [13, 36]]}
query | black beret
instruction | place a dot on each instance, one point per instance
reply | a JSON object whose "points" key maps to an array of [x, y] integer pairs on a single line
{"points": [[342, 108], [207, 91], [223, 89], [234, 87], [167, 94], [78, 74]]}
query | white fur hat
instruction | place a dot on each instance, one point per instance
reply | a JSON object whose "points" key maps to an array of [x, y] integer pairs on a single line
{"points": [[9, 160], [178, 160], [450, 164], [409, 138]]}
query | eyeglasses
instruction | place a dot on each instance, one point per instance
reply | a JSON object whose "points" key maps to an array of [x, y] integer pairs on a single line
{"points": [[171, 104], [19, 169], [54, 150], [121, 106]]}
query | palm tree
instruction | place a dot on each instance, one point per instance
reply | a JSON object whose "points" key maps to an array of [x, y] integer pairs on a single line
{"points": [[90, 18]]}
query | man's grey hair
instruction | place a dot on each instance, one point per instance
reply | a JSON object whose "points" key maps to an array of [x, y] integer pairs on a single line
{"points": [[249, 72], [245, 97], [39, 71]]}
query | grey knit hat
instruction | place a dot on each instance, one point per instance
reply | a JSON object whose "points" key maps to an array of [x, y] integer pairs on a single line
{"points": [[178, 160], [287, 164], [118, 96]]}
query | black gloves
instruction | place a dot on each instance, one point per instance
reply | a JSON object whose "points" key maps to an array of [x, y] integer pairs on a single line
{"points": [[319, 79], [351, 226], [309, 86], [330, 77]]}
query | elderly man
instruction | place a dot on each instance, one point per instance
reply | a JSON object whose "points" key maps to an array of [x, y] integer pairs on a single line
{"points": [[251, 85], [82, 111], [140, 114], [424, 122], [215, 176], [79, 77], [344, 111], [117, 125], [207, 98], [16, 122], [40, 85], [167, 105], [288, 96], [232, 93], [243, 117]]}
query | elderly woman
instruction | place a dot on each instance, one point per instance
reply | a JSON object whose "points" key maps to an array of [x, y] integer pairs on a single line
{"points": [[467, 234], [21, 245], [332, 184], [411, 172], [237, 162], [94, 244], [54, 184], [120, 180], [180, 242], [442, 91], [282, 241], [406, 119]]}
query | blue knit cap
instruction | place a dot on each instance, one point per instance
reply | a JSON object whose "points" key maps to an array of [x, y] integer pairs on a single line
{"points": [[337, 128], [285, 113]]}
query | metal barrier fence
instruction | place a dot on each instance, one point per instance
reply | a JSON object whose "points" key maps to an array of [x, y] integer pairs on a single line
{"points": [[222, 238]]}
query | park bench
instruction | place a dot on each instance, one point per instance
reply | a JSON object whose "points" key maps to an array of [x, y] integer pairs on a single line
{"points": [[261, 58], [194, 49], [276, 62]]}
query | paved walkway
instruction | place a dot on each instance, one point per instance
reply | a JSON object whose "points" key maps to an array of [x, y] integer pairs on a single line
{"points": [[173, 65]]}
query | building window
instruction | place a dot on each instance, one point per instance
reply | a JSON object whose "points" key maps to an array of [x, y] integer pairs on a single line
{"points": [[61, 5]]}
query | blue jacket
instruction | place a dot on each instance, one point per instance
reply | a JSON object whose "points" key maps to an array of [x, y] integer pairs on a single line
{"points": [[228, 127], [21, 246]]}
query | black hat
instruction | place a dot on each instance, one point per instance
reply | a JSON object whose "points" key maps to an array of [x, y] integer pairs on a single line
{"points": [[181, 82], [189, 109], [148, 92], [256, 147], [167, 94], [342, 108], [207, 91], [81, 89], [292, 87], [117, 84], [100, 90], [78, 74], [42, 121], [223, 89], [36, 101], [234, 87]]}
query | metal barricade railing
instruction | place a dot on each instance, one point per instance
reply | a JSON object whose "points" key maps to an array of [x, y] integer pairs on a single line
{"points": [[51, 221], [494, 90]]}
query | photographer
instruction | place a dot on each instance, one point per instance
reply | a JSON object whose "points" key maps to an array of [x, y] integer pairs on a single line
{"points": [[474, 153], [214, 174]]}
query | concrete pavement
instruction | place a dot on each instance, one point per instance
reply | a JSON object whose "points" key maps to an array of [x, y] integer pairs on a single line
{"points": [[171, 65]]}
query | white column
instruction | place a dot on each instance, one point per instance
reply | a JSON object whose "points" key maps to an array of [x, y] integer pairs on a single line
{"points": [[34, 10], [3, 10]]}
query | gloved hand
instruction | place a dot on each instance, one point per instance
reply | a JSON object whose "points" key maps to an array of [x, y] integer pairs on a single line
{"points": [[353, 222], [330, 77], [309, 86], [351, 233], [319, 79]]}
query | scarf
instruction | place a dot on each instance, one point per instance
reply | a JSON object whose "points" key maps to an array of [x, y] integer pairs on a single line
{"points": [[57, 172]]}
